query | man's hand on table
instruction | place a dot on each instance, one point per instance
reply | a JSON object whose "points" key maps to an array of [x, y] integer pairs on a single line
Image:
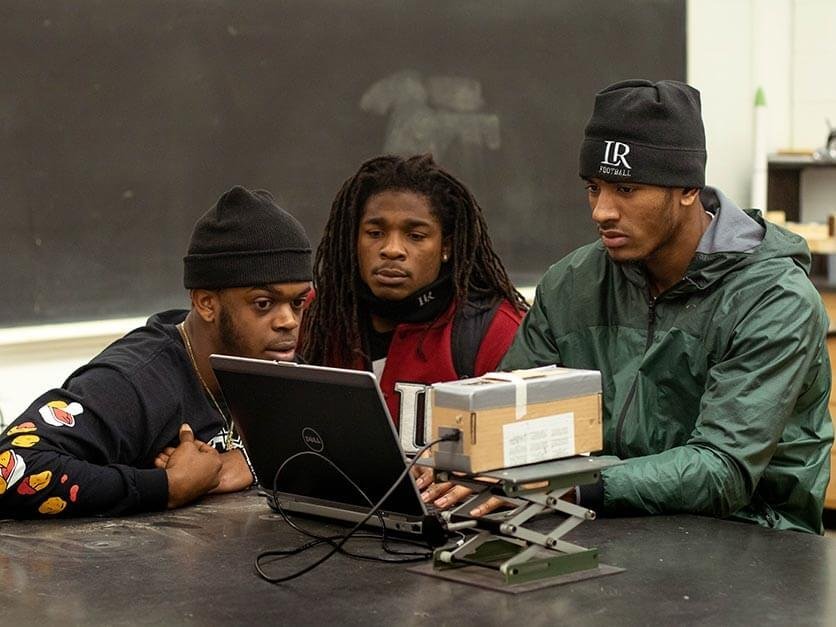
{"points": [[235, 472], [193, 468]]}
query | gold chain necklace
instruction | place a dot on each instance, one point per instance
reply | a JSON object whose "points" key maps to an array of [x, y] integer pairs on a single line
{"points": [[182, 329]]}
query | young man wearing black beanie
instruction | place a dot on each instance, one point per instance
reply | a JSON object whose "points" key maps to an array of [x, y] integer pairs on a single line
{"points": [[702, 320], [143, 426]]}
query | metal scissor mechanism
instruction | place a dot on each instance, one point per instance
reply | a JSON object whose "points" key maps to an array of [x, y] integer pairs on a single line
{"points": [[503, 541]]}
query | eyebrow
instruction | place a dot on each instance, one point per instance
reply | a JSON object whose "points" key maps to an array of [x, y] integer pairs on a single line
{"points": [[410, 222]]}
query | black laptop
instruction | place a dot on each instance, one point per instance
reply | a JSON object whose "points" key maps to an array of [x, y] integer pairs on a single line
{"points": [[282, 408]]}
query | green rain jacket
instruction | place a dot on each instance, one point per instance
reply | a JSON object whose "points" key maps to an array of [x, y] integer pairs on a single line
{"points": [[715, 392]]}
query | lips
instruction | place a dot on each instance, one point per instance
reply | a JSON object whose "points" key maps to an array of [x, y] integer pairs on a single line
{"points": [[282, 351], [282, 347], [389, 275], [613, 239]]}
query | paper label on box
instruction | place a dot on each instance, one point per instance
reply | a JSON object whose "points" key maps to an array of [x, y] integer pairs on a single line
{"points": [[538, 439]]}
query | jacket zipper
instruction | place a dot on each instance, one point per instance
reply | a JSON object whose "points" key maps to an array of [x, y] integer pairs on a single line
{"points": [[619, 428]]}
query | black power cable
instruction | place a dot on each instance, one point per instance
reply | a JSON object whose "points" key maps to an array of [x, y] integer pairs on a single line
{"points": [[332, 540]]}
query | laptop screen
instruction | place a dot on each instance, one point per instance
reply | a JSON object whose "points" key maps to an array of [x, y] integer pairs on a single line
{"points": [[281, 409]]}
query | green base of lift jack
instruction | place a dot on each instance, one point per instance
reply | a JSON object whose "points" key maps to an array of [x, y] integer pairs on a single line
{"points": [[495, 553]]}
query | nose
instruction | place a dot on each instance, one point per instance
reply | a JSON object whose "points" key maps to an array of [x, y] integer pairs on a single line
{"points": [[604, 207], [393, 246], [286, 318]]}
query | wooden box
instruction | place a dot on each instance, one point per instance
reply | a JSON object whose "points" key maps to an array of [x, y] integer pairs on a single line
{"points": [[516, 418]]}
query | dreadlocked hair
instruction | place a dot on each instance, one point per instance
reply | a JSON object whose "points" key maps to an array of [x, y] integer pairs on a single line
{"points": [[332, 328]]}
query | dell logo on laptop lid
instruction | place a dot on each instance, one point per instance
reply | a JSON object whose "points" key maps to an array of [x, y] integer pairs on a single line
{"points": [[312, 440]]}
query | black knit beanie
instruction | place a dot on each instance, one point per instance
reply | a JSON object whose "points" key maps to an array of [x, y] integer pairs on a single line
{"points": [[245, 240], [645, 132]]}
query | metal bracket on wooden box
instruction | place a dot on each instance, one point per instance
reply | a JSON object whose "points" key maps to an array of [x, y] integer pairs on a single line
{"points": [[504, 543]]}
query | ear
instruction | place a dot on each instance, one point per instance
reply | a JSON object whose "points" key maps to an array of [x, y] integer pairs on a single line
{"points": [[446, 250], [206, 303], [689, 196]]}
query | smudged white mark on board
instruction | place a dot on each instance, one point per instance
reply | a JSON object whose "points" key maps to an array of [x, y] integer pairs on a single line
{"points": [[430, 114]]}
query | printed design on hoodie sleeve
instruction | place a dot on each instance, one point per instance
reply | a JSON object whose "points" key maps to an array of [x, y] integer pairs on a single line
{"points": [[23, 427], [12, 468], [52, 505], [26, 441], [34, 483], [60, 414]]}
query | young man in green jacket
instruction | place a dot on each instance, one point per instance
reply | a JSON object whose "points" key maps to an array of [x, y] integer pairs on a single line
{"points": [[702, 320]]}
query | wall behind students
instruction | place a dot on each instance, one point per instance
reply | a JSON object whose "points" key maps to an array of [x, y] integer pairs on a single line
{"points": [[787, 47], [122, 121]]}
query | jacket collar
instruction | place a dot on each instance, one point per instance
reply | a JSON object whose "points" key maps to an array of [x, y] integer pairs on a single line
{"points": [[731, 240]]}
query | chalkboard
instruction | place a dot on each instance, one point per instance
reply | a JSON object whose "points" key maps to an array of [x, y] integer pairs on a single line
{"points": [[122, 121]]}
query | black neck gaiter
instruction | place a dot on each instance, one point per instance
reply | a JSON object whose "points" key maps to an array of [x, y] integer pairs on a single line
{"points": [[423, 305]]}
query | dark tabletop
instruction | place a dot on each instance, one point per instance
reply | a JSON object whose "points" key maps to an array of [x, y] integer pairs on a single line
{"points": [[195, 566]]}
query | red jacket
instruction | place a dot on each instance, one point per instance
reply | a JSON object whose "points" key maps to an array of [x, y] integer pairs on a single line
{"points": [[422, 354]]}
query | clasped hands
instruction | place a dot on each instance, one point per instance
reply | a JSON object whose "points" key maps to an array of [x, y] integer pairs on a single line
{"points": [[194, 468]]}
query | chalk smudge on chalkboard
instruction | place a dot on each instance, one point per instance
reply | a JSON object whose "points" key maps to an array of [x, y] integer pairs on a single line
{"points": [[429, 114]]}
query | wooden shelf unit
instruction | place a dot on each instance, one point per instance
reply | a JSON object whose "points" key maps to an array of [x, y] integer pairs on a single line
{"points": [[783, 186]]}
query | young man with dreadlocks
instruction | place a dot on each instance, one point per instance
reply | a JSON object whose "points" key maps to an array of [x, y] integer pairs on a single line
{"points": [[409, 286]]}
